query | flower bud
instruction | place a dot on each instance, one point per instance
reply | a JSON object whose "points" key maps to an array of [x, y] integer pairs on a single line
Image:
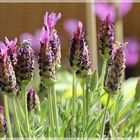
{"points": [[115, 69], [33, 100], [25, 63], [7, 74], [106, 37]]}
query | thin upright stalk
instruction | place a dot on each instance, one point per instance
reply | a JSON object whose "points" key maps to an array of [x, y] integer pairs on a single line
{"points": [[20, 109], [84, 103], [51, 111], [55, 110], [102, 77], [16, 118], [73, 104], [6, 110], [104, 117], [26, 110], [101, 81]]}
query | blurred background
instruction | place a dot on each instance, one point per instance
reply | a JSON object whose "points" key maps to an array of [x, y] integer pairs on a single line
{"points": [[24, 20]]}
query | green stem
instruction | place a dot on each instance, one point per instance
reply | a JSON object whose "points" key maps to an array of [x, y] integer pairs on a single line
{"points": [[51, 111], [16, 118], [20, 109], [6, 109], [55, 109], [102, 77], [87, 104], [73, 104], [104, 118], [84, 104], [101, 81], [26, 110]]}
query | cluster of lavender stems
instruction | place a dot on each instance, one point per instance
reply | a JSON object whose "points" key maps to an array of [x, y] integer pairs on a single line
{"points": [[17, 65]]}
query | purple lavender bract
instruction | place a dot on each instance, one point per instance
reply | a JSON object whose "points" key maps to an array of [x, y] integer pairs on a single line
{"points": [[116, 69], [106, 37], [25, 63], [7, 74]]}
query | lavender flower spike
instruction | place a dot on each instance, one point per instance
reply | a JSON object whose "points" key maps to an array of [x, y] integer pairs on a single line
{"points": [[7, 74], [11, 49], [32, 100], [25, 63], [51, 20], [46, 60], [77, 47], [3, 126], [116, 69], [106, 37]]}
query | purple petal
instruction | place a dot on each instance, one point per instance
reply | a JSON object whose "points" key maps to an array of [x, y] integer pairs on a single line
{"points": [[132, 52], [101, 9], [52, 19], [125, 7], [44, 35], [70, 26], [3, 49], [11, 44]]}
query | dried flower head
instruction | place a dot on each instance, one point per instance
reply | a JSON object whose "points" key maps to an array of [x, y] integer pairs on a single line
{"points": [[46, 59], [106, 37], [3, 126], [115, 69], [11, 49], [32, 100], [25, 62], [7, 74]]}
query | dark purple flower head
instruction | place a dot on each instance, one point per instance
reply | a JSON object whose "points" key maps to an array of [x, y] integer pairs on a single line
{"points": [[79, 58], [3, 125], [32, 100], [115, 69], [7, 74], [106, 37], [51, 20], [25, 62]]}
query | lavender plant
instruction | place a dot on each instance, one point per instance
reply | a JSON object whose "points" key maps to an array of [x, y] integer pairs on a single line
{"points": [[72, 105]]}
